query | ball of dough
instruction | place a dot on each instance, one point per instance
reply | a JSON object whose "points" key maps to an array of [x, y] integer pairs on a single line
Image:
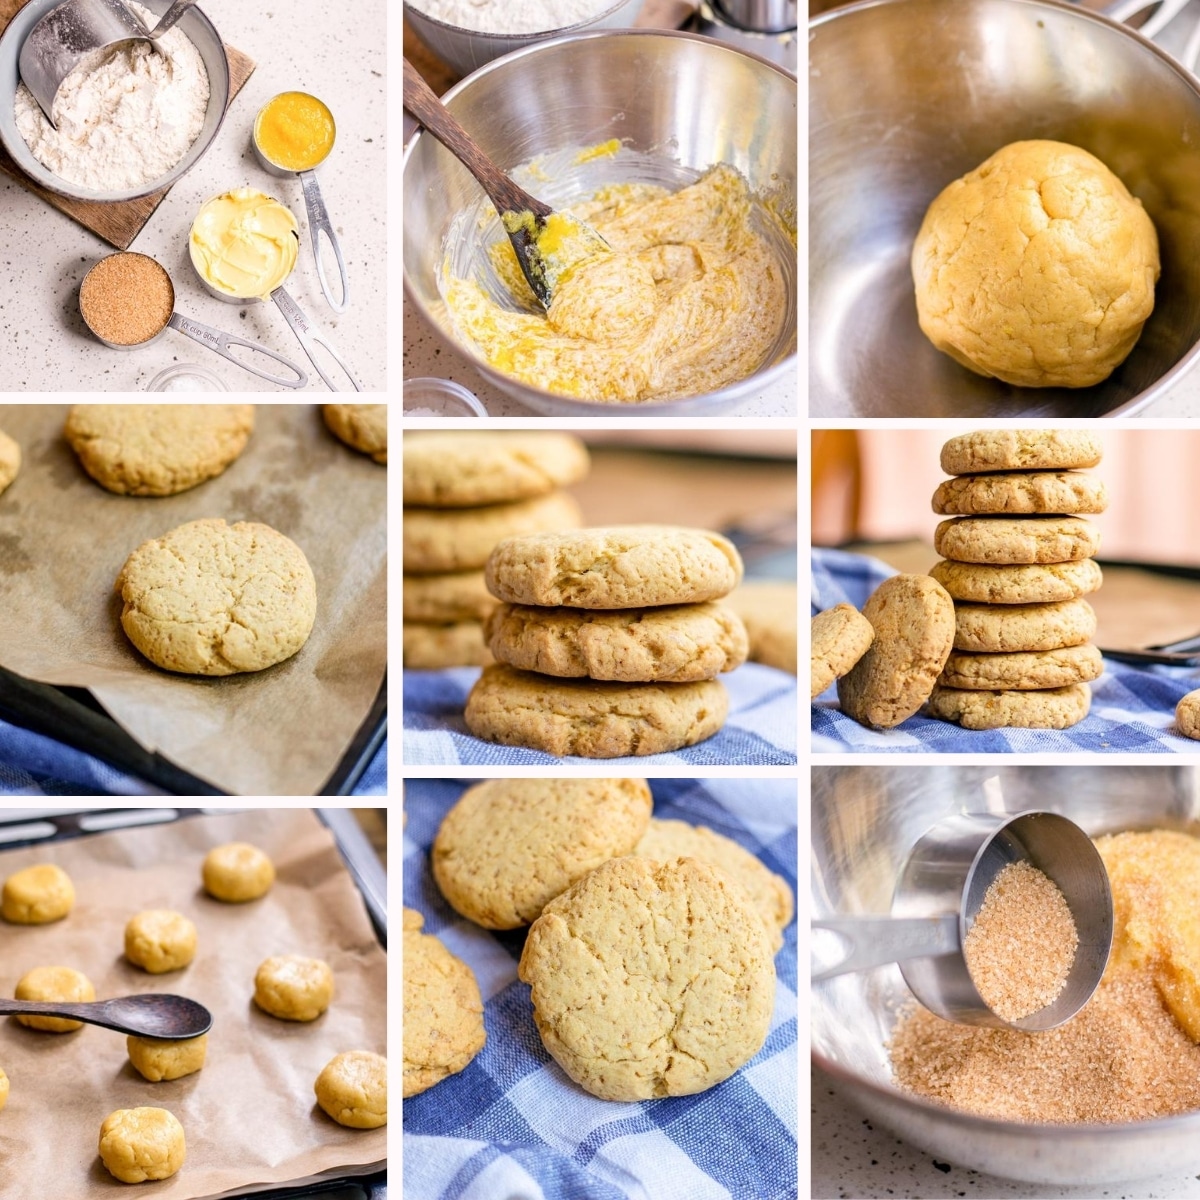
{"points": [[237, 872], [3, 1089], [160, 940], [37, 895], [137, 1144], [352, 1089], [54, 985], [293, 987], [155, 1059], [1038, 267]]}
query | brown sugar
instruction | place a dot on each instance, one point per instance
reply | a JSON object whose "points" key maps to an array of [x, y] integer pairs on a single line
{"points": [[126, 298]]}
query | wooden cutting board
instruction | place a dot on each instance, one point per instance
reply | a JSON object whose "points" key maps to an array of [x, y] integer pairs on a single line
{"points": [[119, 223]]}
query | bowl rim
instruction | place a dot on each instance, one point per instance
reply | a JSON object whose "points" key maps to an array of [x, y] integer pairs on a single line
{"points": [[586, 23]]}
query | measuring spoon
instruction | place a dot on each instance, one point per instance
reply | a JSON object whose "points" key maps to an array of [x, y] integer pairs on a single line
{"points": [[170, 1018]]}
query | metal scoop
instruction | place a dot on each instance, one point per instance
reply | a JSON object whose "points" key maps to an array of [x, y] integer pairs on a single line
{"points": [[171, 1018], [940, 892]]}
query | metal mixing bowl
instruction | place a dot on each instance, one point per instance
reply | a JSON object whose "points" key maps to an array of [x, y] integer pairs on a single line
{"points": [[864, 822], [906, 96], [679, 102], [204, 37]]}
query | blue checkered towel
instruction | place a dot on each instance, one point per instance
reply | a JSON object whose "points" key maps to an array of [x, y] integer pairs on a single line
{"points": [[761, 729], [1133, 708], [512, 1126]]}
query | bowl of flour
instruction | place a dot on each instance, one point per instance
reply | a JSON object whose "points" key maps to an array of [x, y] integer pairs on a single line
{"points": [[129, 125], [468, 33]]}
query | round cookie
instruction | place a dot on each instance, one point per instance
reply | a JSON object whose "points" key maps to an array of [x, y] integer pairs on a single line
{"points": [[155, 1059], [509, 846], [1016, 540], [432, 647], [157, 449], [237, 872], [352, 1089], [137, 1144], [10, 460], [37, 895], [671, 644], [3, 1090], [768, 610], [361, 426], [840, 637], [1055, 708], [996, 629], [913, 619], [441, 540], [650, 979], [589, 718], [440, 599], [293, 988], [1021, 450], [215, 599], [159, 940], [443, 1011], [1037, 583], [54, 985], [1022, 671], [460, 470], [621, 566], [1187, 715], [1058, 492], [666, 840]]}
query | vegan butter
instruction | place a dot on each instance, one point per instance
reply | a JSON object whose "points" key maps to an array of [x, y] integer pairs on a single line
{"points": [[244, 243], [295, 131]]}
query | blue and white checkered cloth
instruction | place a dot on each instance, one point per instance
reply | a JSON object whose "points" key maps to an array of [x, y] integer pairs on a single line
{"points": [[1133, 708], [512, 1126]]}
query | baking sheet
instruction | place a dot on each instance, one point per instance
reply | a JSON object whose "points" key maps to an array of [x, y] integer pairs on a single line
{"points": [[249, 1116], [63, 540]]}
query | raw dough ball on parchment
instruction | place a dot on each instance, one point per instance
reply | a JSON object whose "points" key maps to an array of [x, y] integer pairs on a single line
{"points": [[352, 1089], [160, 940], [37, 895], [137, 1144], [156, 1059], [54, 985], [236, 872], [293, 988]]}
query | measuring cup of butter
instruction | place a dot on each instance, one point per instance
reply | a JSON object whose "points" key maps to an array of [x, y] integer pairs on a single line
{"points": [[293, 135], [127, 300], [243, 245]]}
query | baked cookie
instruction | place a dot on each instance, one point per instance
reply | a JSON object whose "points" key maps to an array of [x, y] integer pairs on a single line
{"points": [[157, 449], [509, 846], [1016, 540], [913, 619], [443, 1012], [361, 426], [215, 599], [768, 610], [671, 644], [10, 460], [1055, 708], [995, 629], [1037, 583], [159, 940], [1187, 715], [1022, 671], [650, 979], [621, 566], [666, 840], [157, 1060], [460, 539], [54, 985], [447, 469], [1021, 450], [840, 637], [237, 872], [292, 987], [1057, 492], [440, 599], [37, 895], [137, 1144], [432, 647], [352, 1089], [592, 719]]}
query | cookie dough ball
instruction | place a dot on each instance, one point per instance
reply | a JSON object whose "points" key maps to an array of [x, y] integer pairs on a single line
{"points": [[54, 985], [155, 1059], [10, 460], [1038, 267], [160, 940], [3, 1090], [361, 426], [237, 872], [352, 1089], [293, 987], [37, 895], [137, 1144]]}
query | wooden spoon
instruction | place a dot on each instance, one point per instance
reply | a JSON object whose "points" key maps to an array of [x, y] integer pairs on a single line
{"points": [[156, 1015]]}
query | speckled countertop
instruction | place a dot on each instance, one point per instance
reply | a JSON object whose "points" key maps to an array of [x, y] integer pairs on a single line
{"points": [[44, 254]]}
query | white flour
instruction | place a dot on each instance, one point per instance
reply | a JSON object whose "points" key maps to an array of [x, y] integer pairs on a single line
{"points": [[124, 121], [511, 16]]}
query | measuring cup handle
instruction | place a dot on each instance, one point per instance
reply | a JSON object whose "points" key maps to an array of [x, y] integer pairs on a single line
{"points": [[875, 941], [219, 342], [319, 223], [168, 19], [308, 335]]}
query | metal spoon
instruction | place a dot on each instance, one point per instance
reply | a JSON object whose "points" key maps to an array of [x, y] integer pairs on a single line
{"points": [[524, 217], [168, 19], [170, 1018]]}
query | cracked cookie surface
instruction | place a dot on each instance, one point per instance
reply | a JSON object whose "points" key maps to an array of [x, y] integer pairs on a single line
{"points": [[1016, 540], [1057, 492], [1054, 708], [363, 427], [453, 596], [1036, 583], [1009, 628], [1020, 450], [840, 637], [1022, 670]]}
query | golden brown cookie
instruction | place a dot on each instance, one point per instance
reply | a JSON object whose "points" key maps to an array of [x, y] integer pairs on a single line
{"points": [[1022, 671], [840, 637], [441, 599], [361, 426], [10, 460], [1016, 540], [768, 610], [1055, 492], [1187, 715], [430, 647], [1037, 583], [1056, 708], [1021, 450], [1009, 628]]}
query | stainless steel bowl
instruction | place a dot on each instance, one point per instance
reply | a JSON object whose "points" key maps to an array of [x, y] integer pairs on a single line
{"points": [[907, 95], [679, 102], [204, 37], [864, 822]]}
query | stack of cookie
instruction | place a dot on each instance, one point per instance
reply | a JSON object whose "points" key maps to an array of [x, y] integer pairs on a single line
{"points": [[607, 640], [1017, 553], [463, 493]]}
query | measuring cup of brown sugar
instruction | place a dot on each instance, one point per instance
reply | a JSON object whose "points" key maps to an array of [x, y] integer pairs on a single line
{"points": [[127, 300]]}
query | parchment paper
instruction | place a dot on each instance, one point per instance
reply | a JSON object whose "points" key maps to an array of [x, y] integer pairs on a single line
{"points": [[249, 1116], [63, 540]]}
